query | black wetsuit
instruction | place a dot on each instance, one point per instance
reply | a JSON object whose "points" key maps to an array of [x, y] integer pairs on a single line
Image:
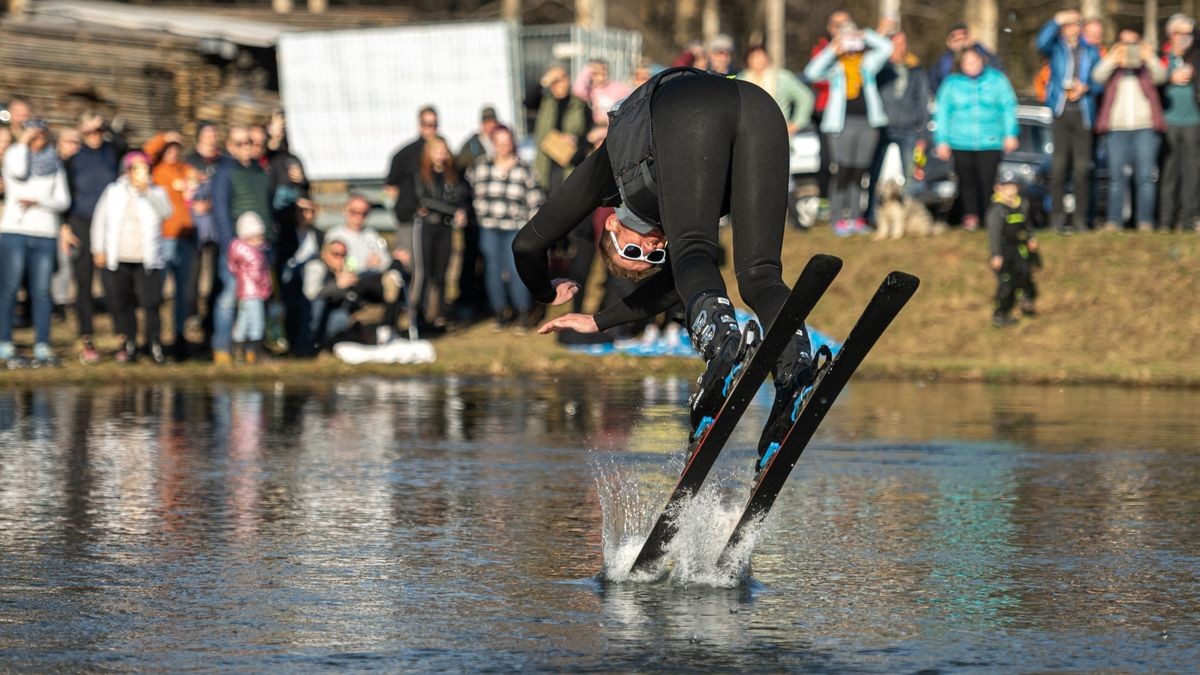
{"points": [[721, 147]]}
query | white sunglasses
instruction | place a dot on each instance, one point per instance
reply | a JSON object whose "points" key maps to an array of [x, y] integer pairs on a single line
{"points": [[655, 256]]}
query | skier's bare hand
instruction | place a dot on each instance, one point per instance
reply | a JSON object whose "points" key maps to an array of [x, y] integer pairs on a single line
{"points": [[580, 323], [564, 290]]}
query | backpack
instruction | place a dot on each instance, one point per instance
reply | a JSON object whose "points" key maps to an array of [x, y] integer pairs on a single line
{"points": [[630, 145]]}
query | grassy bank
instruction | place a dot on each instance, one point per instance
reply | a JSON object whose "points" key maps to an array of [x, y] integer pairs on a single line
{"points": [[1115, 308]]}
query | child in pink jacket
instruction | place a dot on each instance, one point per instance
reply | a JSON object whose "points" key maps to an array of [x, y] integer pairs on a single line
{"points": [[248, 264]]}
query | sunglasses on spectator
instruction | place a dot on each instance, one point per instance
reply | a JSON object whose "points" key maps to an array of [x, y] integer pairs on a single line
{"points": [[655, 256]]}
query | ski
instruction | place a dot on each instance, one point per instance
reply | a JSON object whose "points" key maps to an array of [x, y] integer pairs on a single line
{"points": [[889, 299], [818, 274]]}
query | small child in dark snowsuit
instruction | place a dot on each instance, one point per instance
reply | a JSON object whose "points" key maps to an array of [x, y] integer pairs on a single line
{"points": [[1013, 250]]}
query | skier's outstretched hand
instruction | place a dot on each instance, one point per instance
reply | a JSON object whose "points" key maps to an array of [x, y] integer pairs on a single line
{"points": [[580, 323], [564, 290]]}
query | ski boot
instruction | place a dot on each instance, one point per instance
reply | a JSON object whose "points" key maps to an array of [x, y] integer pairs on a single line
{"points": [[794, 374], [716, 336]]}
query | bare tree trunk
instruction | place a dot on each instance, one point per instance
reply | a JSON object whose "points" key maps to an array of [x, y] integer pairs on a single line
{"points": [[775, 31], [16, 8], [710, 19], [318, 6], [583, 13], [1091, 8], [890, 10], [510, 10], [1150, 33], [685, 20], [282, 6], [982, 18], [599, 13]]}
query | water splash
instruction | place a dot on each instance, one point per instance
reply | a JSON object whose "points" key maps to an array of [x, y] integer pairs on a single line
{"points": [[629, 507]]}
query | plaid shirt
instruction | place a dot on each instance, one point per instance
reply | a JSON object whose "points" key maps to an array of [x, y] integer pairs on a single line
{"points": [[504, 202]]}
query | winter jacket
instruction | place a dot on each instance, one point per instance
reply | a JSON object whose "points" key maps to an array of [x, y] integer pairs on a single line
{"points": [[826, 66], [1052, 45], [975, 113], [49, 191], [1146, 103], [904, 90], [89, 171], [175, 179], [236, 190], [248, 265], [795, 99], [152, 207]]}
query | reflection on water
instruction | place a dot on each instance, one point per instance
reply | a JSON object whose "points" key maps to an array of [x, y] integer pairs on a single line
{"points": [[462, 524]]}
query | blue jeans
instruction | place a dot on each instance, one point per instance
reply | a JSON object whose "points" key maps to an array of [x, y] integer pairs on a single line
{"points": [[225, 306], [251, 320], [180, 256], [19, 252], [327, 323], [496, 246], [1139, 149]]}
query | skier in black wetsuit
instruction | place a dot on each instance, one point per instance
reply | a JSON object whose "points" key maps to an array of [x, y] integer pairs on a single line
{"points": [[720, 147]]}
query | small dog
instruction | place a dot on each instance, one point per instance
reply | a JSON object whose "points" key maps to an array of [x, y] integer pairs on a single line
{"points": [[900, 215]]}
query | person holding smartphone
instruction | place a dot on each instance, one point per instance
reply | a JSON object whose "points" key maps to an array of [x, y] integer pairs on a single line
{"points": [[1131, 114]]}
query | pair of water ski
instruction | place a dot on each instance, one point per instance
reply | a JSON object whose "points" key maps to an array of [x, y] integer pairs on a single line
{"points": [[781, 456]]}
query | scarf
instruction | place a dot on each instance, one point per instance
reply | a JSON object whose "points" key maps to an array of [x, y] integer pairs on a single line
{"points": [[44, 162], [852, 65]]}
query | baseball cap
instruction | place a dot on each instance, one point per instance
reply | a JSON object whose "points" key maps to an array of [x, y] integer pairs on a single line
{"points": [[37, 124], [489, 113]]}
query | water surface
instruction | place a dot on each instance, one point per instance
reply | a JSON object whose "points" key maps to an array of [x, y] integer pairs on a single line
{"points": [[464, 524]]}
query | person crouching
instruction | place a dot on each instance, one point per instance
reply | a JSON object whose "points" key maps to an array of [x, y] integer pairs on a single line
{"points": [[252, 274], [1013, 250]]}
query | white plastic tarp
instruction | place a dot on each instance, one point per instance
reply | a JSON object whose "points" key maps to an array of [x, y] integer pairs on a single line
{"points": [[352, 96]]}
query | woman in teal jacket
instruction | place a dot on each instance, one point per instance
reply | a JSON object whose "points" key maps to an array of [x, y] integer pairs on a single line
{"points": [[975, 121], [852, 118]]}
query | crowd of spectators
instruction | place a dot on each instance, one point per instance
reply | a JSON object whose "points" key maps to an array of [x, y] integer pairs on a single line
{"points": [[226, 232]]}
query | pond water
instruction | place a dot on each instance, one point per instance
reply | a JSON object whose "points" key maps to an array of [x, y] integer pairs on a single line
{"points": [[477, 524]]}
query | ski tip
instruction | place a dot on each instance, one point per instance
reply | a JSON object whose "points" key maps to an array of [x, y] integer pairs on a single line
{"points": [[903, 281], [825, 262]]}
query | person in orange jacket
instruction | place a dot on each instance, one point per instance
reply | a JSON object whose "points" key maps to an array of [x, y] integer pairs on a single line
{"points": [[180, 180]]}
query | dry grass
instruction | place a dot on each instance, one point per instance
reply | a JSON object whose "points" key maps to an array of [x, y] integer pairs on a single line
{"points": [[1115, 308]]}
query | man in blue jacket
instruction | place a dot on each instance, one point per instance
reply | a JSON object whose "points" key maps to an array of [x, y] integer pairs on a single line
{"points": [[1070, 96]]}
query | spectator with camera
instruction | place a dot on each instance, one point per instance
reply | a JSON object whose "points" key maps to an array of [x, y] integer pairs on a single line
{"points": [[853, 117], [1179, 180], [1131, 116], [1071, 98], [35, 196], [958, 41]]}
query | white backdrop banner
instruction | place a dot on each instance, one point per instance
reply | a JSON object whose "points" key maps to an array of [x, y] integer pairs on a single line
{"points": [[352, 96]]}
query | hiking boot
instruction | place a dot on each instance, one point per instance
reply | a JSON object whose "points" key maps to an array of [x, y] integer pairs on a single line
{"points": [[89, 356], [43, 356], [222, 358], [794, 373], [1000, 320], [251, 350], [715, 335]]}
